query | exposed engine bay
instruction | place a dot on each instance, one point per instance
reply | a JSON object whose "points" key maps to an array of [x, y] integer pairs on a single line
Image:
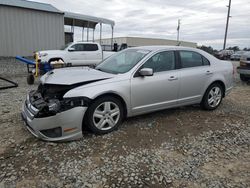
{"points": [[48, 99]]}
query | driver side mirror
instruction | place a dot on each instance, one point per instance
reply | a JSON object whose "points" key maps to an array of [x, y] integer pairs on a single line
{"points": [[146, 72], [71, 49]]}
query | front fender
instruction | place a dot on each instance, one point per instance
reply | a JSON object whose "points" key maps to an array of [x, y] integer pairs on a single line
{"points": [[121, 88], [45, 59]]}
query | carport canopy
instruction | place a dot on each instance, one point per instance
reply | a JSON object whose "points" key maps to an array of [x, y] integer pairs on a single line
{"points": [[82, 20], [86, 21]]}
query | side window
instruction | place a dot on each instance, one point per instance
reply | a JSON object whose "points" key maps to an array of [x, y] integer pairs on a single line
{"points": [[78, 47], [190, 59], [90, 47], [162, 61], [205, 61]]}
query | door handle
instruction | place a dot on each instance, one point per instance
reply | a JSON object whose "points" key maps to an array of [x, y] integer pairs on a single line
{"points": [[172, 78], [209, 73]]}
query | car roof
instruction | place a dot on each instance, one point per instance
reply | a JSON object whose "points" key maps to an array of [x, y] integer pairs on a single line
{"points": [[84, 42], [159, 48], [162, 47]]}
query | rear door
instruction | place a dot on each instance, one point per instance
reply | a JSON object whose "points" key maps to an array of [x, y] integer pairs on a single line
{"points": [[159, 91], [92, 54], [195, 71]]}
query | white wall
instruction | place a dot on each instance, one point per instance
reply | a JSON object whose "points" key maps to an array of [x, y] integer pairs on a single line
{"points": [[137, 41]]}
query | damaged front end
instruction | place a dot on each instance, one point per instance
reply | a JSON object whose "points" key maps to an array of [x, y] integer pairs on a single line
{"points": [[48, 100], [51, 117]]}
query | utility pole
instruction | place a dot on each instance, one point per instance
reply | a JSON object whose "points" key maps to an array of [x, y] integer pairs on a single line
{"points": [[178, 30], [228, 16]]}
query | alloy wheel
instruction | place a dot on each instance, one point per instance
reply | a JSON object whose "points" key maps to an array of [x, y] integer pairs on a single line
{"points": [[214, 97], [106, 115]]}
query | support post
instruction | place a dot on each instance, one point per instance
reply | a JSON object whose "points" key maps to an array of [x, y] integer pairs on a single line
{"points": [[93, 39], [100, 33], [83, 33], [88, 33], [228, 16], [73, 29], [112, 36]]}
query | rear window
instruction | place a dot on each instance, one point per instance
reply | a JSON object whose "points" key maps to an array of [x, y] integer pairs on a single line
{"points": [[205, 61], [192, 59], [90, 47]]}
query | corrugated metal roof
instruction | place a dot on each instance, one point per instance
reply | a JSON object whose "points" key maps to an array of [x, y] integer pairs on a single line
{"points": [[83, 17], [30, 5], [82, 20]]}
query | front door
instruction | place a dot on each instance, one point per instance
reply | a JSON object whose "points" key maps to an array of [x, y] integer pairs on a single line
{"points": [[77, 56], [159, 91]]}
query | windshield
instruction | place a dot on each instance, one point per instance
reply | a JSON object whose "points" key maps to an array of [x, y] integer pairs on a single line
{"points": [[123, 61], [65, 46]]}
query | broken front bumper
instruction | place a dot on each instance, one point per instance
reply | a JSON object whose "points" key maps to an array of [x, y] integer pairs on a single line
{"points": [[63, 126]]}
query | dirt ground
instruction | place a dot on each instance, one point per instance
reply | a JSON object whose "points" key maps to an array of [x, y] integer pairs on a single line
{"points": [[181, 147]]}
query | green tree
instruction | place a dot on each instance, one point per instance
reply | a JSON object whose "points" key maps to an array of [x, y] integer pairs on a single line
{"points": [[234, 48], [207, 49], [246, 49]]}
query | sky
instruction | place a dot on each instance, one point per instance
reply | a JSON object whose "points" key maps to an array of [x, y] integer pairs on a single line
{"points": [[202, 21]]}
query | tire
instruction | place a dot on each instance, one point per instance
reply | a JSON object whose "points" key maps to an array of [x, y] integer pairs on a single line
{"points": [[100, 120], [243, 78], [212, 97], [30, 79]]}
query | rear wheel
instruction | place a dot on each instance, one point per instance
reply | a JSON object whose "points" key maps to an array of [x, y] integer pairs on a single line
{"points": [[104, 115], [213, 97]]}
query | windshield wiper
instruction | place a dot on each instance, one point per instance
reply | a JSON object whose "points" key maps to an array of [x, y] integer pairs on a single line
{"points": [[107, 71], [99, 69]]}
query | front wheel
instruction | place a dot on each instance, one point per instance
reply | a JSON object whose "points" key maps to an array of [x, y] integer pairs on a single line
{"points": [[104, 115], [213, 97]]}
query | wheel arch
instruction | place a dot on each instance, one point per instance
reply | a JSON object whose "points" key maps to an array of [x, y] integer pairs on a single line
{"points": [[222, 84], [55, 58], [115, 95]]}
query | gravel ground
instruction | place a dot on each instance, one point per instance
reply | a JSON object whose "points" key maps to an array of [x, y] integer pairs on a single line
{"points": [[181, 147]]}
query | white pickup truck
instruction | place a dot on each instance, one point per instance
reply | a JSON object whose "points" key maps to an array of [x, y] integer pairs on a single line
{"points": [[76, 53]]}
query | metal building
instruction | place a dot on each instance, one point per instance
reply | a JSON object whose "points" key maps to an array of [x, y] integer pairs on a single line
{"points": [[27, 26], [139, 41]]}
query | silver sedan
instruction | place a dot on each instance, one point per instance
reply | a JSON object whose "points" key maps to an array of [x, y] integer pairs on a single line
{"points": [[132, 82]]}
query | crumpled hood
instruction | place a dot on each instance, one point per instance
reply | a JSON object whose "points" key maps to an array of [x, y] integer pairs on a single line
{"points": [[74, 75]]}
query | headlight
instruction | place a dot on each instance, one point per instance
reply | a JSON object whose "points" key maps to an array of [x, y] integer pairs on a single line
{"points": [[69, 103], [54, 105]]}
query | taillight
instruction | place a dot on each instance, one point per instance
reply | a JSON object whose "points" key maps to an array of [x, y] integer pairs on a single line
{"points": [[242, 64]]}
